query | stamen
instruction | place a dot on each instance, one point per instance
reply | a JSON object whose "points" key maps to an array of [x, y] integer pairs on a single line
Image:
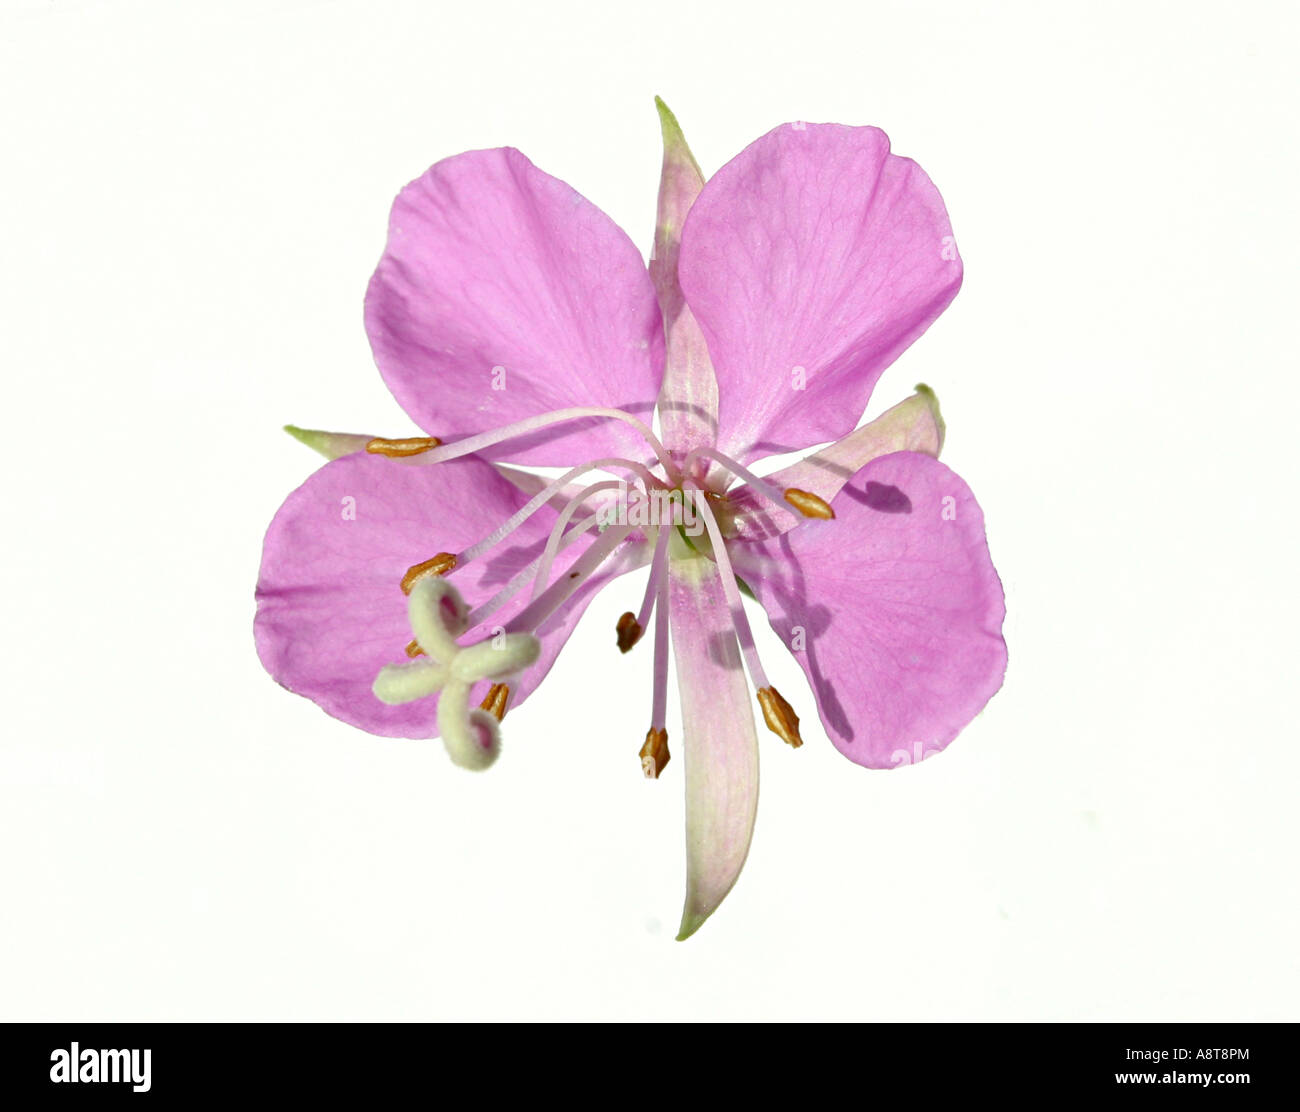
{"points": [[559, 416], [659, 698], [638, 622], [520, 578], [628, 631], [405, 446], [545, 495], [780, 716], [809, 504], [654, 753], [777, 713], [413, 649], [557, 594], [553, 541], [435, 565], [738, 619], [494, 702], [760, 486]]}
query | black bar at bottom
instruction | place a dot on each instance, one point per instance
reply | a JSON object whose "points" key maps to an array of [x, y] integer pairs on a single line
{"points": [[605, 1062]]}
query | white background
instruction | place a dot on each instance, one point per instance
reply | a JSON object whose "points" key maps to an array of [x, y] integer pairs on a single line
{"points": [[194, 197]]}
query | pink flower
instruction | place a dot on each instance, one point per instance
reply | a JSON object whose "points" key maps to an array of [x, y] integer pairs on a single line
{"points": [[415, 588]]}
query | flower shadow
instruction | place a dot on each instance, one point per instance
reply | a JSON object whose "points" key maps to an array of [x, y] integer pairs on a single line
{"points": [[800, 622]]}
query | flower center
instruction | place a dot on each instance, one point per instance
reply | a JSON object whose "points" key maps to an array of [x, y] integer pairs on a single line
{"points": [[647, 510]]}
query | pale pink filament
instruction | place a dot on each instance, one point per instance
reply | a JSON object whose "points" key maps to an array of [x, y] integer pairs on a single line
{"points": [[520, 428], [659, 700], [557, 594], [515, 520], [553, 541], [521, 578], [658, 565], [759, 486], [734, 602]]}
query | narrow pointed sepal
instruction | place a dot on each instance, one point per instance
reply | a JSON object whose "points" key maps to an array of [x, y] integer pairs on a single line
{"points": [[719, 741], [682, 179], [913, 425], [331, 445], [688, 399], [931, 400]]}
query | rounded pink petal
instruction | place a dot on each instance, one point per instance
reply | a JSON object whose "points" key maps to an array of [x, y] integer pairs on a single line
{"points": [[893, 609], [330, 608], [504, 294], [812, 260]]}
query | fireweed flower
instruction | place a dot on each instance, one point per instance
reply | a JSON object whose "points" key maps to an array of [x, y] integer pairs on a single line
{"points": [[421, 587]]}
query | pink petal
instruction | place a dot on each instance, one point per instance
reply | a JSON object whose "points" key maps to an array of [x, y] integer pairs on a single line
{"points": [[721, 748], [493, 264], [688, 399], [900, 608], [814, 248], [914, 425], [330, 609]]}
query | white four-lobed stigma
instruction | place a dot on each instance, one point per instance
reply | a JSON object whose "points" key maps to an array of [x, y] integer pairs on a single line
{"points": [[438, 615]]}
